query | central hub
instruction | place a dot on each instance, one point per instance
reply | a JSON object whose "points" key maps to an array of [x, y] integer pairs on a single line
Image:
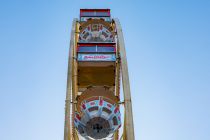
{"points": [[98, 128]]}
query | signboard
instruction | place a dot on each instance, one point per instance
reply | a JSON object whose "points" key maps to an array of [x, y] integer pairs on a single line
{"points": [[96, 57]]}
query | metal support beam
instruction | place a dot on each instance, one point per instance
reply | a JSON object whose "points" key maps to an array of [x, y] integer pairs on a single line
{"points": [[129, 127], [117, 89], [68, 106], [74, 81]]}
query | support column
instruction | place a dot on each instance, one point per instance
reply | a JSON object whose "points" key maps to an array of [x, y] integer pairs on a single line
{"points": [[68, 106], [129, 128]]}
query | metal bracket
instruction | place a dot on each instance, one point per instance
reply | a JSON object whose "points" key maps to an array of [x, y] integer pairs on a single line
{"points": [[121, 102]]}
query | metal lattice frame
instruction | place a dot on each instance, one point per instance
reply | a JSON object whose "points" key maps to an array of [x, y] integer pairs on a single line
{"points": [[121, 70]]}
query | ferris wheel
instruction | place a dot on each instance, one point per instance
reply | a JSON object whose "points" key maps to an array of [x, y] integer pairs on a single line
{"points": [[96, 107]]}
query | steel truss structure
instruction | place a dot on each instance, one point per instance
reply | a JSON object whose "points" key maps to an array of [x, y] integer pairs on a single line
{"points": [[121, 74]]}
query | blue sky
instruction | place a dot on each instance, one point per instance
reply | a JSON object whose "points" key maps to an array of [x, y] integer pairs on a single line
{"points": [[168, 50]]}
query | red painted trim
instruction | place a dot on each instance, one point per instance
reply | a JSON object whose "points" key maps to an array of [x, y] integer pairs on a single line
{"points": [[109, 13], [94, 44], [110, 106], [116, 110], [101, 102], [83, 106], [94, 10]]}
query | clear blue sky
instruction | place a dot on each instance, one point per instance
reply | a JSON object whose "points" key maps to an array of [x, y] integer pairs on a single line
{"points": [[168, 50]]}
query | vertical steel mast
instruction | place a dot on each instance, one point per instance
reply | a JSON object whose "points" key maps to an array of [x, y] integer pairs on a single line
{"points": [[97, 63]]}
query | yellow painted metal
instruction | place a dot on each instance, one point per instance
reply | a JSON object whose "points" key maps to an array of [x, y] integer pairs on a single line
{"points": [[68, 106], [74, 80], [117, 88], [80, 76], [128, 125], [93, 92], [96, 76]]}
